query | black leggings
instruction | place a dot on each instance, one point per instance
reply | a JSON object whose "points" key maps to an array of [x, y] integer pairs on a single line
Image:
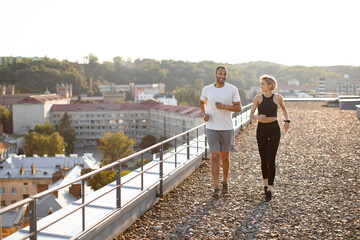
{"points": [[268, 138]]}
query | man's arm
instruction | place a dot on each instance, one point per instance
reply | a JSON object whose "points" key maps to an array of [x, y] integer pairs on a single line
{"points": [[235, 107], [203, 108]]}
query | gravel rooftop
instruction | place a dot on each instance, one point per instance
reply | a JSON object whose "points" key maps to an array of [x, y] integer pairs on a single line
{"points": [[316, 194]]}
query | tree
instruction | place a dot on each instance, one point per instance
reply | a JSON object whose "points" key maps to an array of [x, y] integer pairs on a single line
{"points": [[35, 143], [148, 141], [55, 144], [45, 129], [67, 132], [103, 178], [6, 119], [115, 146]]}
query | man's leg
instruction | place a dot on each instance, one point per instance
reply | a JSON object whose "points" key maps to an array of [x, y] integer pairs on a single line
{"points": [[215, 167], [225, 158]]}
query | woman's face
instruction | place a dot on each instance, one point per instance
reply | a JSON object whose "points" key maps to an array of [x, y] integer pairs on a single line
{"points": [[264, 86]]}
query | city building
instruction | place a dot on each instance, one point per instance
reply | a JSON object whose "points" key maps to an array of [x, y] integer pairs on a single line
{"points": [[22, 176], [6, 149], [326, 86], [19, 218], [33, 110], [134, 89], [136, 120], [166, 98], [293, 82], [64, 90], [113, 95], [168, 121], [8, 96]]}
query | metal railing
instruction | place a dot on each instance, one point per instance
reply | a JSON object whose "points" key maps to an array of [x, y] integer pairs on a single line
{"points": [[240, 120]]}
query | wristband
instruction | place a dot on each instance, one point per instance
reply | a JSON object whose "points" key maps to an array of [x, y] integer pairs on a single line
{"points": [[288, 121]]}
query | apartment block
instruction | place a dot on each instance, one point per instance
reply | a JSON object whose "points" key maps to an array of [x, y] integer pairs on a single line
{"points": [[337, 86], [136, 120]]}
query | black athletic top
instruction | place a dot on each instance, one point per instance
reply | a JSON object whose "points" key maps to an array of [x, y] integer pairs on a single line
{"points": [[268, 107]]}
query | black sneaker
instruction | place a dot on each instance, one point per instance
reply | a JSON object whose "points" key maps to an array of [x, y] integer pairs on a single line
{"points": [[265, 188], [268, 196], [216, 193], [225, 188]]}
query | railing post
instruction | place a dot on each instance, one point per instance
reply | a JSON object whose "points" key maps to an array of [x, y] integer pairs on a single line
{"points": [[188, 145], [118, 185], [83, 201], [142, 174], [236, 119], [32, 219], [205, 158], [175, 153], [160, 194], [241, 118], [197, 139]]}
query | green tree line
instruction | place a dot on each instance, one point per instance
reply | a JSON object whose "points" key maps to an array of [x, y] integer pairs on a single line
{"points": [[32, 76]]}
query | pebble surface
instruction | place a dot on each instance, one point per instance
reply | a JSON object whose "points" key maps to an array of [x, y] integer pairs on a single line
{"points": [[316, 193]]}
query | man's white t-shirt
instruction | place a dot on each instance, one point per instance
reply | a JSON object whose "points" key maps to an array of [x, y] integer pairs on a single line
{"points": [[220, 119]]}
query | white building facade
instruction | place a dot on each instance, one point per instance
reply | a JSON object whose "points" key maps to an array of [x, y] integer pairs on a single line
{"points": [[34, 110]]}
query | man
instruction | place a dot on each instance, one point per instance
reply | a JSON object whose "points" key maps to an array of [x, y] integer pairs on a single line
{"points": [[217, 102]]}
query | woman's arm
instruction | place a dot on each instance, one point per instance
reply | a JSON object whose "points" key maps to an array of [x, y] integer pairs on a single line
{"points": [[253, 108], [285, 112]]}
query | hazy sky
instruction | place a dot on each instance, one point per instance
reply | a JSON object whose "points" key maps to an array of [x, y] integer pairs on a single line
{"points": [[290, 32]]}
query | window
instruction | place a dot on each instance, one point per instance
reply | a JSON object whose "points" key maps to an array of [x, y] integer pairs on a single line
{"points": [[13, 190], [25, 183], [25, 196], [2, 190], [3, 203], [13, 201]]}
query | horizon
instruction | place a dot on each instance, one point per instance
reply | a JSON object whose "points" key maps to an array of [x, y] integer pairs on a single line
{"points": [[297, 33]]}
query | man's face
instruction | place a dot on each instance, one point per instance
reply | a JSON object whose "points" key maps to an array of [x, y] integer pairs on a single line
{"points": [[221, 75]]}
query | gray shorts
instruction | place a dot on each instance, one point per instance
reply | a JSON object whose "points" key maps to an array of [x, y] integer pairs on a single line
{"points": [[220, 140]]}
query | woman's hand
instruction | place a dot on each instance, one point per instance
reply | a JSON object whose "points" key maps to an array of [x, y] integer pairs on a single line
{"points": [[261, 117], [286, 126]]}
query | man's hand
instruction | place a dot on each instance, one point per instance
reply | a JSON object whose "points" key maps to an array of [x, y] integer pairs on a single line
{"points": [[219, 105], [206, 117]]}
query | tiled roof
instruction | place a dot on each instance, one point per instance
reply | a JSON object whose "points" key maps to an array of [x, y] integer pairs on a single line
{"points": [[104, 106], [41, 98], [45, 166], [192, 111], [146, 105]]}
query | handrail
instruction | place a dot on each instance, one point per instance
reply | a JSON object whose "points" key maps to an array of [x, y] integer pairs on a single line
{"points": [[31, 201]]}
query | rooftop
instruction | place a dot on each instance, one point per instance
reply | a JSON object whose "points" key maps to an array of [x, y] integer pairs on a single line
{"points": [[45, 166], [316, 193], [40, 98], [145, 105]]}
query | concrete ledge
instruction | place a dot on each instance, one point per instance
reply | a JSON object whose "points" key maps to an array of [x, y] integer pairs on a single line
{"points": [[121, 220], [358, 111], [348, 104]]}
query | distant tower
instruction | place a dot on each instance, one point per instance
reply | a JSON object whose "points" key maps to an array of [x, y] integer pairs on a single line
{"points": [[64, 90]]}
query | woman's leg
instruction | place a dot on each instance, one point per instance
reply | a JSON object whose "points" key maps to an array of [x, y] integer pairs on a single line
{"points": [[272, 148], [263, 146]]}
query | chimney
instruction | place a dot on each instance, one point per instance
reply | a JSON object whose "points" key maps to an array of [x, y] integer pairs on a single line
{"points": [[75, 190], [85, 171], [33, 169], [57, 176], [22, 171]]}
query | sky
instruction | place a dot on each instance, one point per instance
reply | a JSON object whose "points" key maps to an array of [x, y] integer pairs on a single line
{"points": [[289, 32]]}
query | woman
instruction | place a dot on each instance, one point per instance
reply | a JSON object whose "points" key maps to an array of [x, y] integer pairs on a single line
{"points": [[268, 130]]}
